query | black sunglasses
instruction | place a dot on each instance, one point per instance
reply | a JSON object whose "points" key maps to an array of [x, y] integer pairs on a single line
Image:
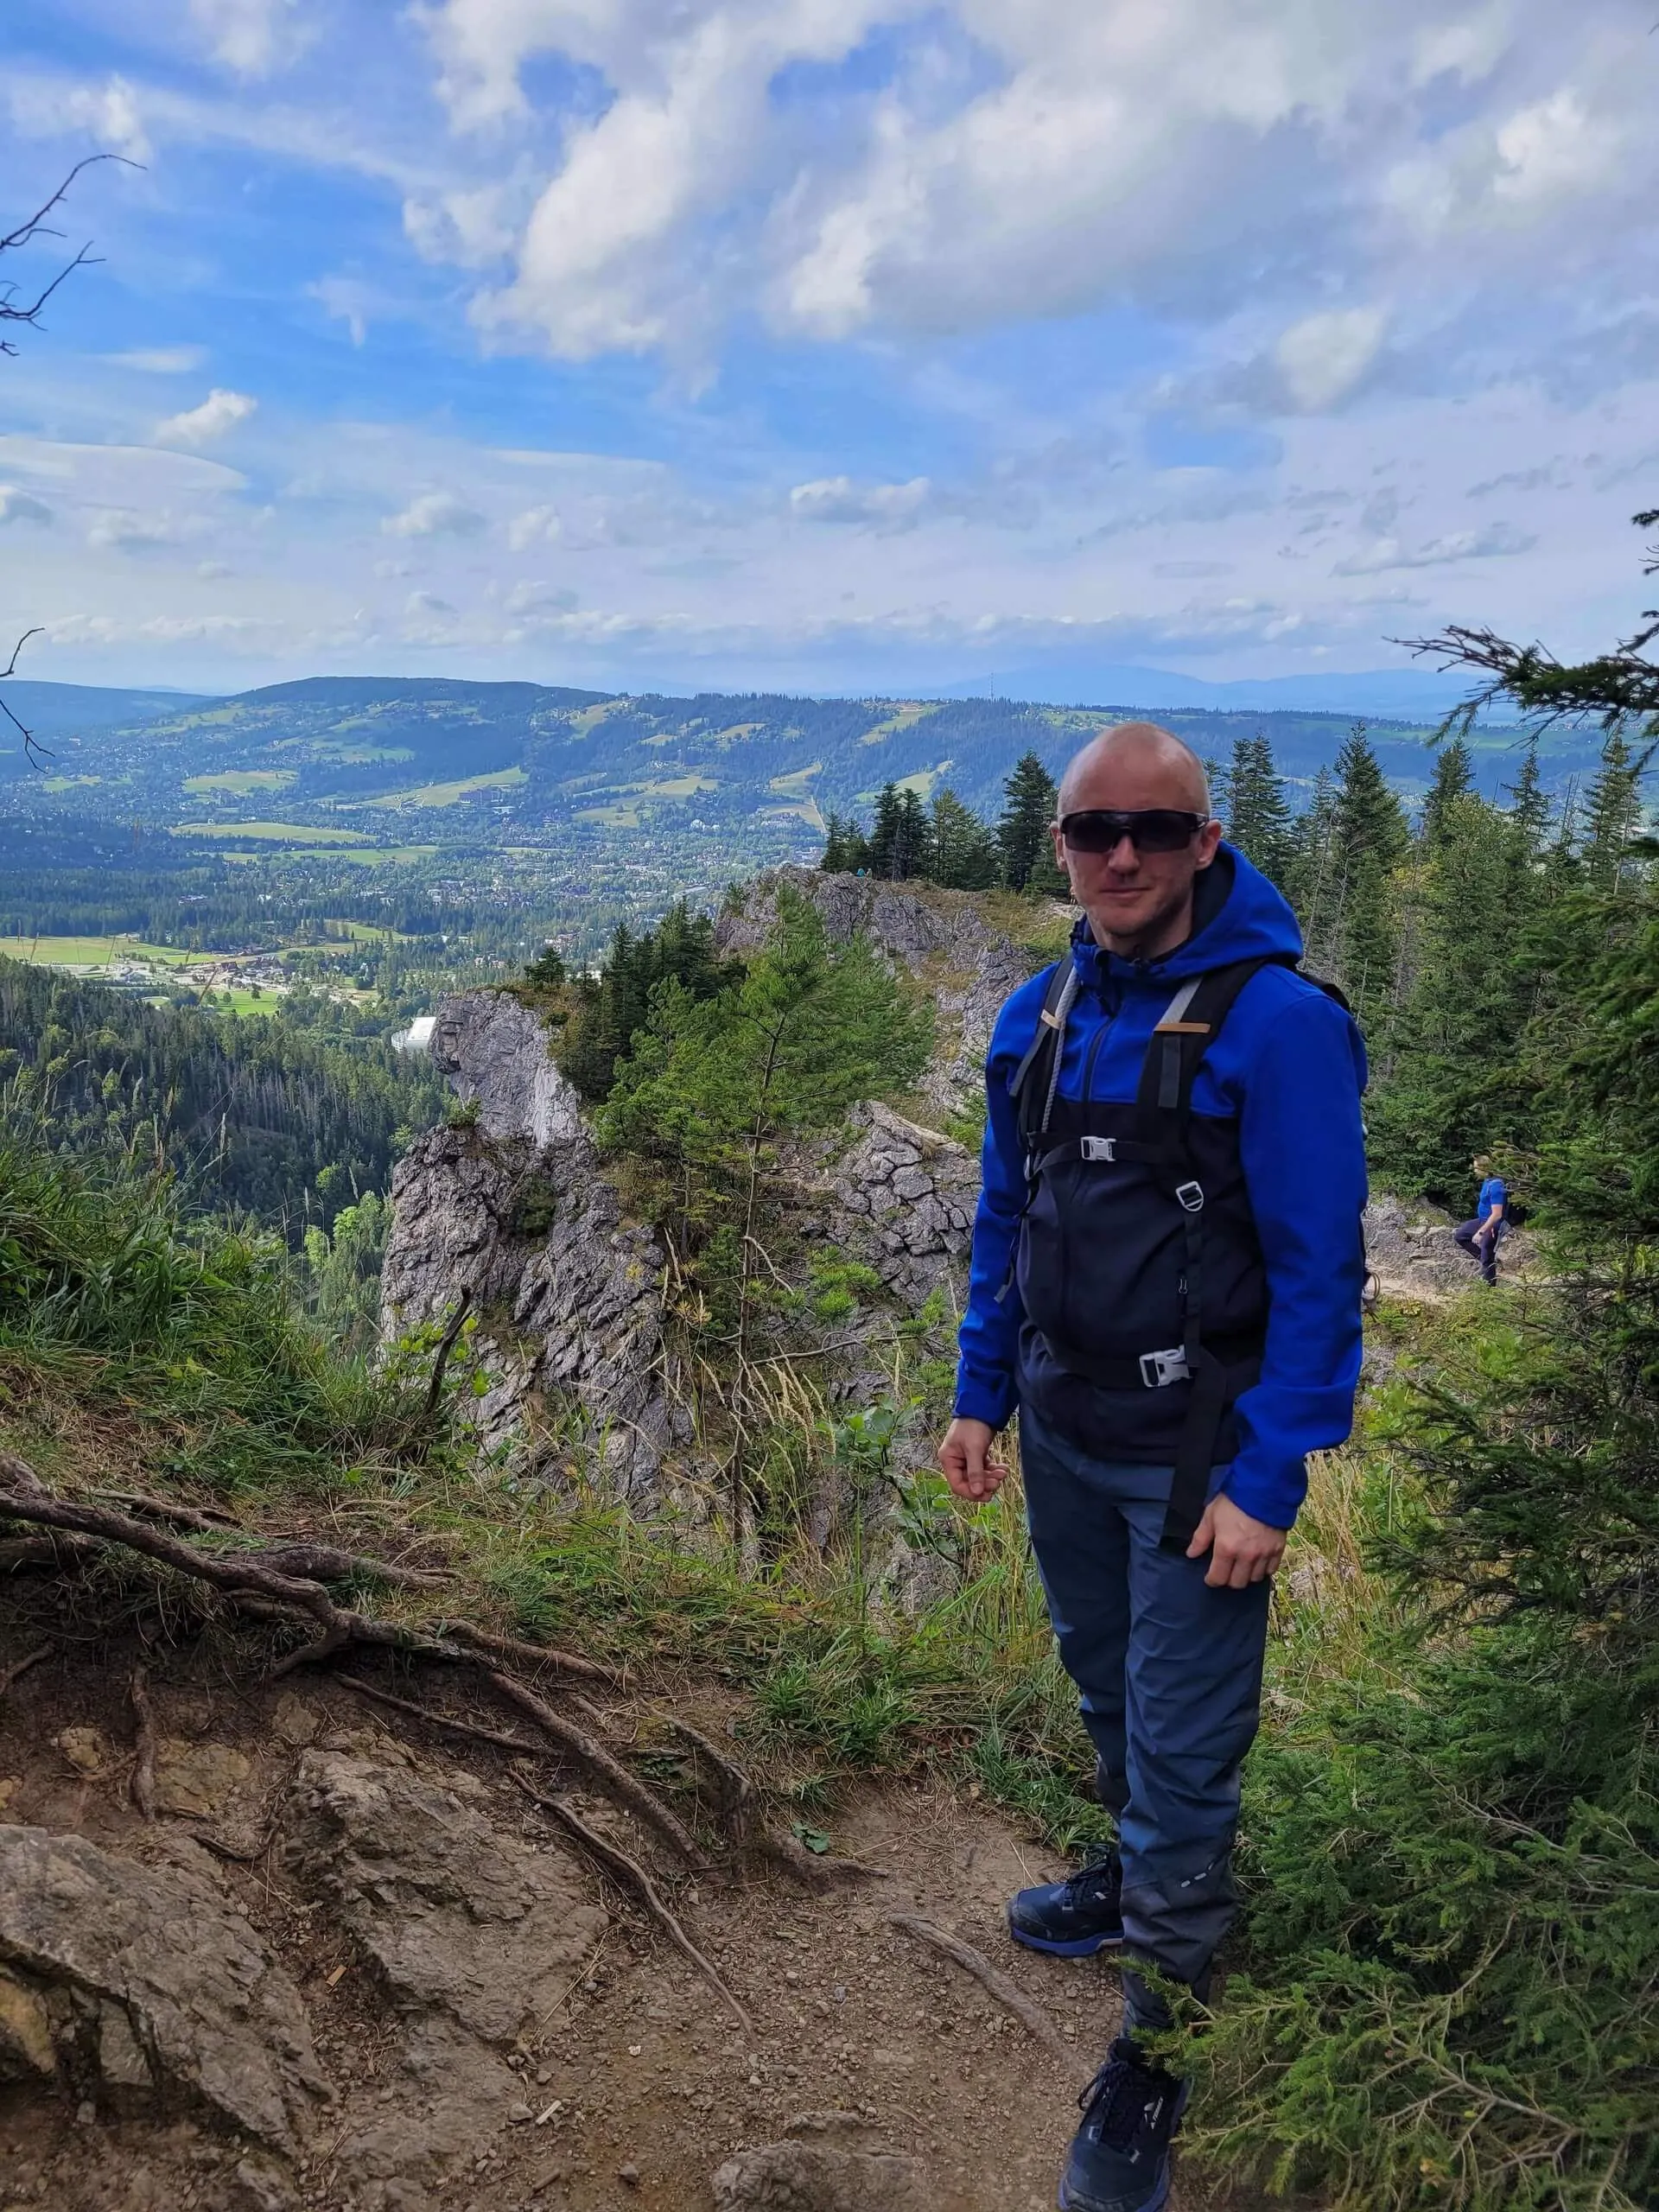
{"points": [[1149, 829]]}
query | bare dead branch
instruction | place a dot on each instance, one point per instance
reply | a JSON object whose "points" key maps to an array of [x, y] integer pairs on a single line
{"points": [[618, 1862], [446, 1346], [1035, 2022], [36, 226], [315, 1562]]}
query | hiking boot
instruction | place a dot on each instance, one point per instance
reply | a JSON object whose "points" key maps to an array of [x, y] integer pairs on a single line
{"points": [[1071, 1919], [1119, 2160]]}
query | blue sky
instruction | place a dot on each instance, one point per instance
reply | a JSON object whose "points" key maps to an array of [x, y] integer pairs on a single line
{"points": [[839, 344]]}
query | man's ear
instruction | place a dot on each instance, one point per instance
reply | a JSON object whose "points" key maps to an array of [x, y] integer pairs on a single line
{"points": [[1209, 842]]}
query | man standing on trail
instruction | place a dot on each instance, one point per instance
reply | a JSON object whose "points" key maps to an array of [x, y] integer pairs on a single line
{"points": [[1168, 1266], [1480, 1238]]}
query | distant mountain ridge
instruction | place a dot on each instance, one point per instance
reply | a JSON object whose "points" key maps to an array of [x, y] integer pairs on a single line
{"points": [[389, 763]]}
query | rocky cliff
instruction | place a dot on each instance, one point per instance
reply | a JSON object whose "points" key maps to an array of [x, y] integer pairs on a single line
{"points": [[509, 1202]]}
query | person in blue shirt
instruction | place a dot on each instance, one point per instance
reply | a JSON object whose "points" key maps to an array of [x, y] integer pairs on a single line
{"points": [[1169, 1298], [1481, 1236]]}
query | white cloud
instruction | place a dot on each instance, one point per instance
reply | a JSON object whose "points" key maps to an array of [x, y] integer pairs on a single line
{"points": [[531, 598], [251, 37], [436, 514], [535, 526], [218, 414], [21, 506], [1322, 358], [109, 114], [870, 507], [1498, 539], [126, 530], [161, 360]]}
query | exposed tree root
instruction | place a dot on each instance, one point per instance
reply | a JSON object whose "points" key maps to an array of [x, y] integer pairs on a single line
{"points": [[1030, 2018], [638, 1799], [166, 1509], [19, 1553], [735, 1806], [232, 1573], [144, 1768], [20, 1667], [530, 1654], [615, 1777], [811, 1871], [619, 1862]]}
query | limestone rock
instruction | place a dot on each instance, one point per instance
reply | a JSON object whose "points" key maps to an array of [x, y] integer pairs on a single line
{"points": [[460, 1918], [196, 1779], [161, 1981], [88, 1751], [903, 1200], [1411, 1247], [813, 2177], [493, 1050], [26, 2046], [515, 1209]]}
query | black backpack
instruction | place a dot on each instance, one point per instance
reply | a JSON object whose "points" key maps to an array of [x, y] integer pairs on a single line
{"points": [[1159, 1142]]}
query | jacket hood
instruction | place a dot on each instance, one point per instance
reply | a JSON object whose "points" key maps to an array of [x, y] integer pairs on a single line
{"points": [[1236, 915]]}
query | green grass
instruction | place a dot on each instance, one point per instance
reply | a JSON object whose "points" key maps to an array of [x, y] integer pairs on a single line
{"points": [[273, 833], [442, 795], [90, 951], [241, 781]]}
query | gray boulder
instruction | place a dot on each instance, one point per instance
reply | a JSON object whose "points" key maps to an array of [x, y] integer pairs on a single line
{"points": [[144, 1985]]}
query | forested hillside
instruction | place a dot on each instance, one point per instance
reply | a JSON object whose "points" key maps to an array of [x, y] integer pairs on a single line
{"points": [[288, 1116]]}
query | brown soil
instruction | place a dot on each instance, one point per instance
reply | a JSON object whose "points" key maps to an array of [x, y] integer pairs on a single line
{"points": [[638, 2081]]}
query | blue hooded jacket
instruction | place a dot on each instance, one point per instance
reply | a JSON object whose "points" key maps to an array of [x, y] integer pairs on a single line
{"points": [[1288, 1062]]}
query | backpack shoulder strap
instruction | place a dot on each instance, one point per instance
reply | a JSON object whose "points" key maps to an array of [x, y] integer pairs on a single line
{"points": [[1033, 1083], [1188, 1027]]}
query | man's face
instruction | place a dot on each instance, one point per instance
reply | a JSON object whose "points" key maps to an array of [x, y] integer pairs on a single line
{"points": [[1136, 901]]}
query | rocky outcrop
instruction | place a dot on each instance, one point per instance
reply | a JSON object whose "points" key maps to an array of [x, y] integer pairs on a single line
{"points": [[457, 1916], [903, 1202], [511, 1204], [940, 937], [1412, 1251], [143, 1986]]}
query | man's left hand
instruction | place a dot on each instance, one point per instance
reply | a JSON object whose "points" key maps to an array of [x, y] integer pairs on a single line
{"points": [[1242, 1550]]}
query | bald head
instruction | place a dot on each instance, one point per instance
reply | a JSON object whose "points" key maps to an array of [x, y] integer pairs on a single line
{"points": [[1136, 765]]}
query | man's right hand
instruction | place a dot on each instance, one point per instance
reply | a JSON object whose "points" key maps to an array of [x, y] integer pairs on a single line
{"points": [[966, 1463]]}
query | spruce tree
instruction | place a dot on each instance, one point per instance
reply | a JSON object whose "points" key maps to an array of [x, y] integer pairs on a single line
{"points": [[962, 852], [1370, 838], [1022, 839], [1258, 814], [1455, 774], [1612, 812], [898, 838]]}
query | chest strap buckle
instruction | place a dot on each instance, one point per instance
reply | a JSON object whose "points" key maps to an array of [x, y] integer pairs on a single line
{"points": [[1159, 1369], [1098, 1147], [1191, 1196]]}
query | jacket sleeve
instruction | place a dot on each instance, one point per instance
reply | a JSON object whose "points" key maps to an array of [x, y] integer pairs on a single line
{"points": [[987, 1385], [1303, 1150]]}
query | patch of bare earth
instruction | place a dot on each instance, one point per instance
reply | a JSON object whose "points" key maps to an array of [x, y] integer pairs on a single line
{"points": [[494, 2023]]}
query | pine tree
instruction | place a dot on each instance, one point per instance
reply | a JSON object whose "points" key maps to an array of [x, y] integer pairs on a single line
{"points": [[898, 838], [1455, 774], [1022, 837], [962, 851], [1258, 813], [1370, 838], [839, 833], [1612, 812], [1312, 872]]}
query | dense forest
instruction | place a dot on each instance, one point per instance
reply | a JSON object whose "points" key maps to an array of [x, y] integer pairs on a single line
{"points": [[288, 1116]]}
